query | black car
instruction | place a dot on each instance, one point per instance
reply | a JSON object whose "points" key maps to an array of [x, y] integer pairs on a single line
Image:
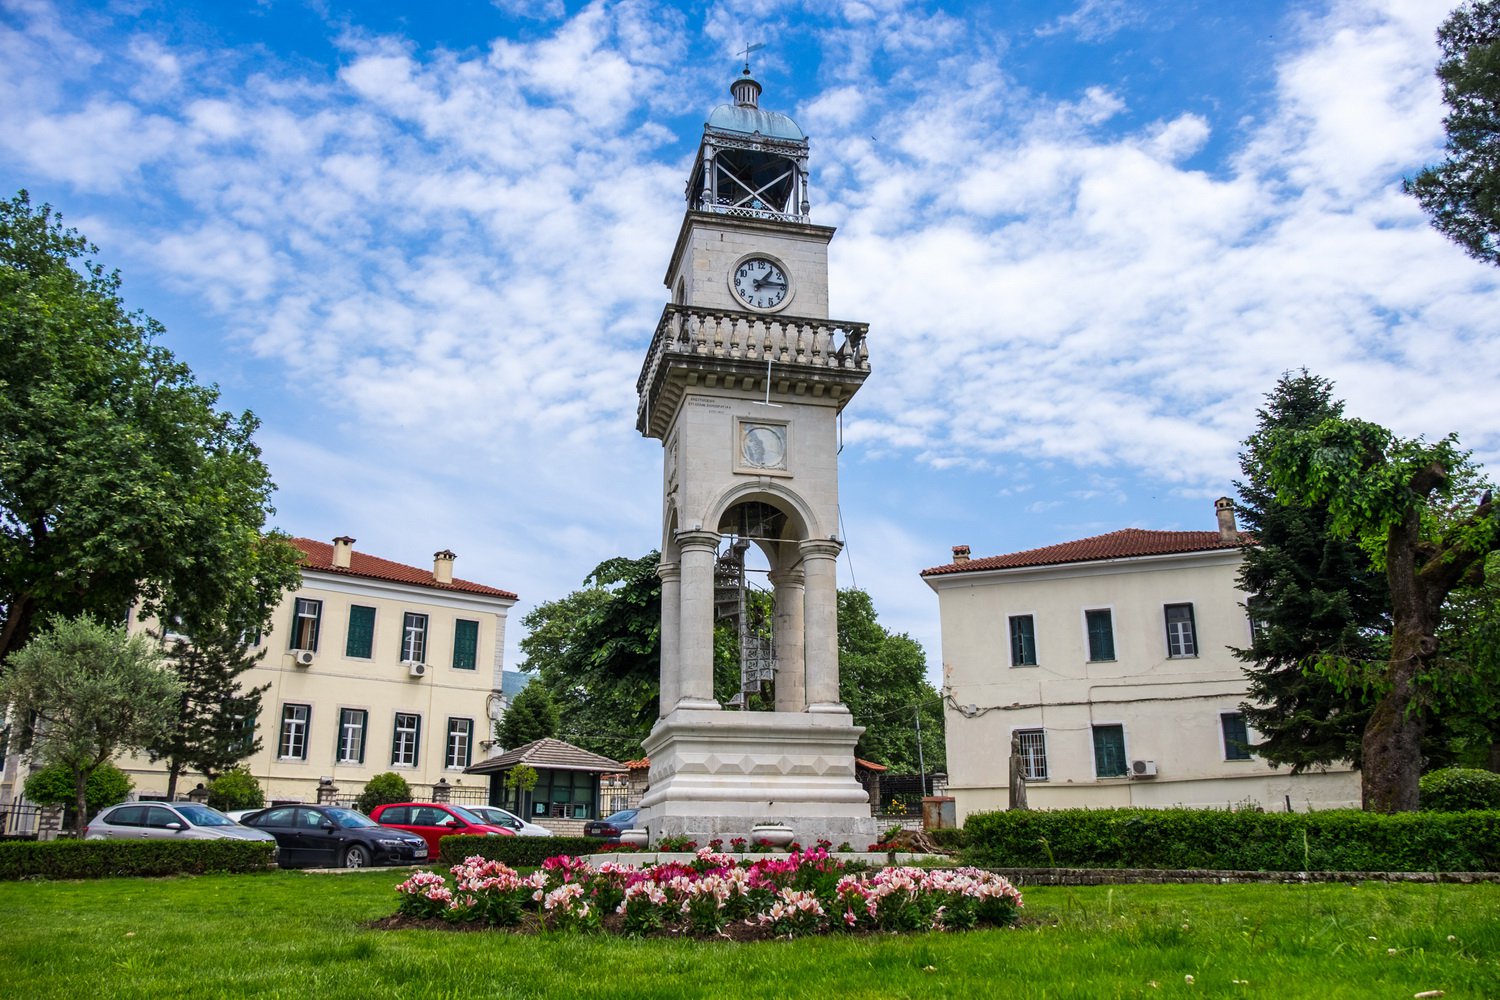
{"points": [[331, 837], [611, 826]]}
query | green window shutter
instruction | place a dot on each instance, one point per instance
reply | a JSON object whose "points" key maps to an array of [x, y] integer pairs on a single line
{"points": [[361, 641], [465, 644], [1101, 634], [1109, 751], [1022, 641]]}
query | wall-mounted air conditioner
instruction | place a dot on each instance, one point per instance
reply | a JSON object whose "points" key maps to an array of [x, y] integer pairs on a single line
{"points": [[303, 657], [416, 669], [1143, 769]]}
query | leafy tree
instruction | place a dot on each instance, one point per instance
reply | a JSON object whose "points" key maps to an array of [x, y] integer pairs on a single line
{"points": [[120, 482], [53, 786], [1414, 508], [1461, 195], [1311, 593], [1466, 708], [94, 691], [235, 789], [215, 726], [522, 779], [385, 787], [532, 716], [596, 654], [883, 680]]}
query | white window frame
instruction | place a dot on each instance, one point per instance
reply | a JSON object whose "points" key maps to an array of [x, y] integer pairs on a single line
{"points": [[404, 740], [294, 731], [460, 735], [299, 641], [1178, 644], [359, 742], [1037, 736], [414, 637]]}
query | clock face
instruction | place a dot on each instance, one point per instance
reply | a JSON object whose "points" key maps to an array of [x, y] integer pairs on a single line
{"points": [[763, 446], [759, 283]]}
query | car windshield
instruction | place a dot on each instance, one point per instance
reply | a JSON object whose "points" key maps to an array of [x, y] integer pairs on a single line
{"points": [[467, 816], [203, 815], [348, 819], [623, 816]]}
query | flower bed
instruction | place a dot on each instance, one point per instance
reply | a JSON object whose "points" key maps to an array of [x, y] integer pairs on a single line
{"points": [[714, 894]]}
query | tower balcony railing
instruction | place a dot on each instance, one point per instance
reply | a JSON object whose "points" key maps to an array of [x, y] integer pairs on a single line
{"points": [[735, 335]]}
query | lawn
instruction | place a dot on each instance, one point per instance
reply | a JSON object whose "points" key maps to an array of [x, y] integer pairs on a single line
{"points": [[288, 934]]}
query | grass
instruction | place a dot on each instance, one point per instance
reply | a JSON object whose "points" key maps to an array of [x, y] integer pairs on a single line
{"points": [[289, 934]]}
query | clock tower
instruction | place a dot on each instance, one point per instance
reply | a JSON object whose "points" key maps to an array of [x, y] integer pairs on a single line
{"points": [[743, 385]]}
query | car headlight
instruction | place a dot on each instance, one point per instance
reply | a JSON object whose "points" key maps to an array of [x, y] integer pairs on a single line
{"points": [[391, 841]]}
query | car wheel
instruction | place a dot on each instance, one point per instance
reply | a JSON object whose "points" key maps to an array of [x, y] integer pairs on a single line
{"points": [[356, 856]]}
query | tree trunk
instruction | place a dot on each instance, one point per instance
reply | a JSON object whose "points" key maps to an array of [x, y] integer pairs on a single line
{"points": [[81, 801], [173, 770], [1391, 750]]}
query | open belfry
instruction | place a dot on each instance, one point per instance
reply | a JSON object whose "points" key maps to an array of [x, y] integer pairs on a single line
{"points": [[743, 385]]}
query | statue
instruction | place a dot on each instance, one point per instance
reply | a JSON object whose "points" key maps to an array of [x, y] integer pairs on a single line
{"points": [[1017, 773]]}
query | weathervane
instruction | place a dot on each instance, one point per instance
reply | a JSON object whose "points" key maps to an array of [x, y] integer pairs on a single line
{"points": [[749, 48]]}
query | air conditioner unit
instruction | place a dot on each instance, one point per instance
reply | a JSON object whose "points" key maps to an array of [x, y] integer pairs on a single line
{"points": [[303, 657], [416, 669], [1143, 769]]}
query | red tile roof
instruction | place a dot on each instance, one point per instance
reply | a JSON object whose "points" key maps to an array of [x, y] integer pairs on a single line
{"points": [[319, 556], [1125, 544]]}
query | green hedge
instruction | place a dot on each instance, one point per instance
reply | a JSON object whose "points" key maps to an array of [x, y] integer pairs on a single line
{"points": [[1341, 840], [1458, 789], [65, 859], [514, 851], [952, 838]]}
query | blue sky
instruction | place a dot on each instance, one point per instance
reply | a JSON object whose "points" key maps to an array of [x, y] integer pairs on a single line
{"points": [[425, 244]]}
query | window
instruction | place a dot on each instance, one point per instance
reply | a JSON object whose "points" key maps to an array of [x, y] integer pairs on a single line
{"points": [[1109, 751], [305, 624], [1236, 735], [1022, 641], [293, 745], [1033, 753], [361, 641], [351, 748], [460, 738], [414, 638], [465, 644], [1101, 628], [404, 743], [1181, 640], [242, 711]]}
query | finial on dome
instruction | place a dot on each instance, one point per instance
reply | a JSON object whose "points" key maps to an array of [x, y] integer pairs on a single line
{"points": [[746, 90]]}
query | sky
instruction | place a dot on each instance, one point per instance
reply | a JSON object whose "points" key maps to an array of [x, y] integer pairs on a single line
{"points": [[425, 244]]}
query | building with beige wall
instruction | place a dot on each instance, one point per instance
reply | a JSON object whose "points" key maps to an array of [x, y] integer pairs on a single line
{"points": [[372, 666], [1109, 658]]}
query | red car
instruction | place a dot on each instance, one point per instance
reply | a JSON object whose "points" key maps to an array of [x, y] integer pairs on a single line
{"points": [[432, 821]]}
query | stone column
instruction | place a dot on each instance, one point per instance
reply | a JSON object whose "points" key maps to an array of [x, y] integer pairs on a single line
{"points": [[671, 635], [695, 649], [791, 668], [820, 605]]}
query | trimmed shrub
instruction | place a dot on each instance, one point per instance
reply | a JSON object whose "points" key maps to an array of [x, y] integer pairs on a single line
{"points": [[53, 786], [381, 789], [953, 838], [526, 852], [235, 789], [1456, 789], [1337, 840], [66, 859]]}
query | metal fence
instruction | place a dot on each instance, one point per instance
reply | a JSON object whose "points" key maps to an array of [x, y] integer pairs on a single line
{"points": [[20, 820]]}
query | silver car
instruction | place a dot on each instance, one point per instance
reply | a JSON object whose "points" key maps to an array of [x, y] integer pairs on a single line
{"points": [[495, 816], [167, 821]]}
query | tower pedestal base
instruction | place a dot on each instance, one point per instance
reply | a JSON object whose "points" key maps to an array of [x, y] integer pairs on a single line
{"points": [[717, 774]]}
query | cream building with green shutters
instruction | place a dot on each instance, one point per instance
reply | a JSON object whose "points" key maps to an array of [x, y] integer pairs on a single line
{"points": [[1108, 661], [372, 666]]}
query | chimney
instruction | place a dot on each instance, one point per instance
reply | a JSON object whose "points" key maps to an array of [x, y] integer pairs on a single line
{"points": [[442, 566], [1224, 508], [343, 549], [960, 553]]}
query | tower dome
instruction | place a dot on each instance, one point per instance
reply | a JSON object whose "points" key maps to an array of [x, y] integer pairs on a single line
{"points": [[752, 162]]}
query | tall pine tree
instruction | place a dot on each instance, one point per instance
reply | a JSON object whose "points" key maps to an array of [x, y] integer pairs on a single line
{"points": [[1311, 595]]}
